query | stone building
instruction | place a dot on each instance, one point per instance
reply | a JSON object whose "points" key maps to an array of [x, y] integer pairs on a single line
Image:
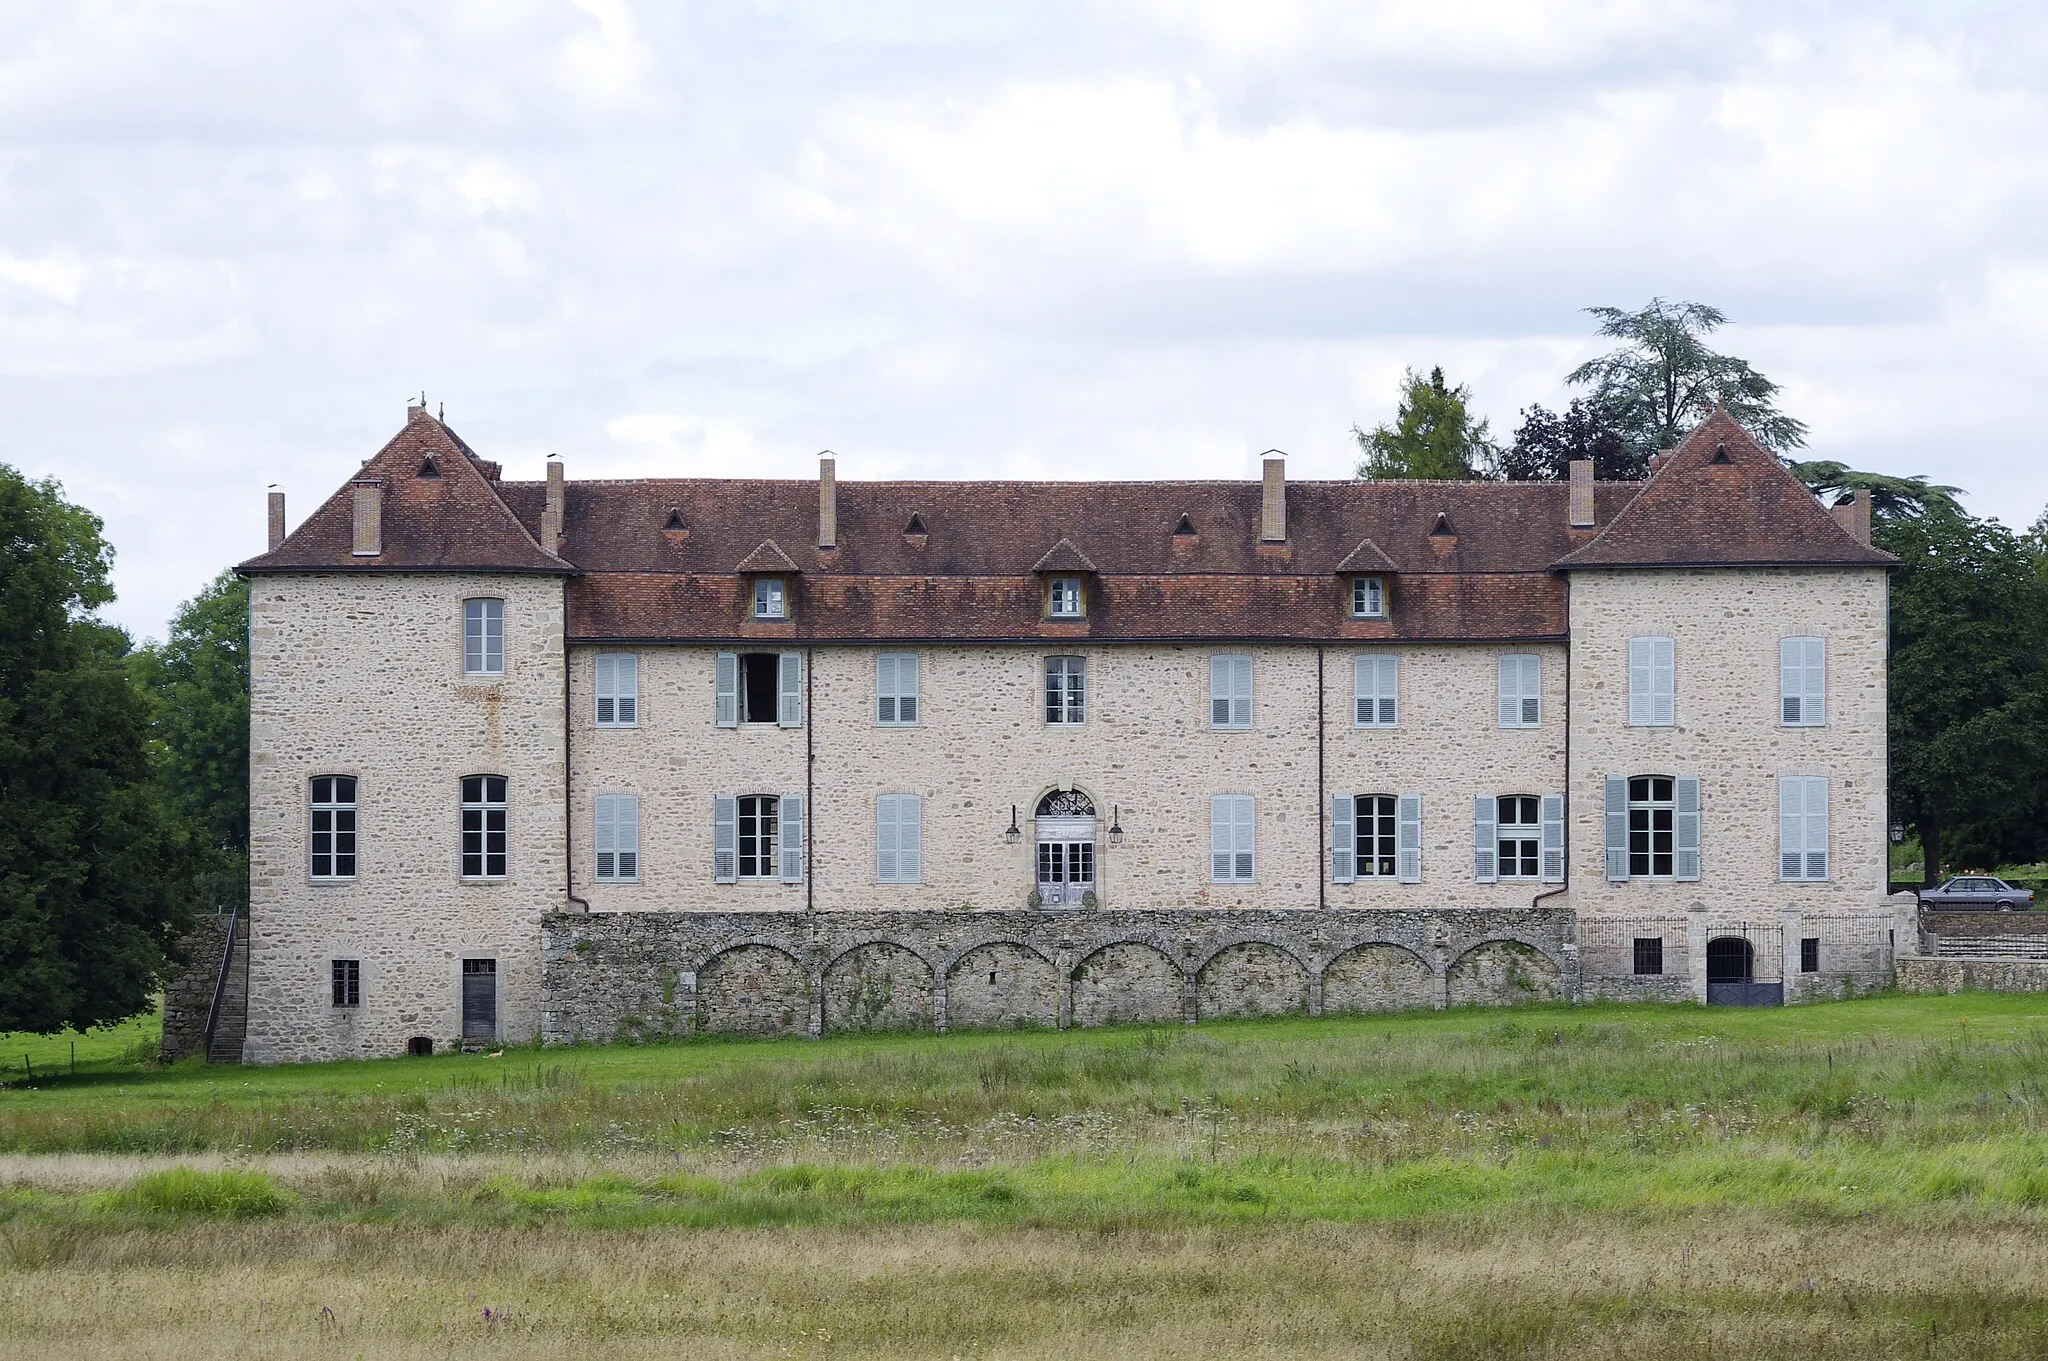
{"points": [[578, 757]]}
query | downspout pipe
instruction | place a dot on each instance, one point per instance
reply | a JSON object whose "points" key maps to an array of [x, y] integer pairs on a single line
{"points": [[1322, 798], [568, 773]]}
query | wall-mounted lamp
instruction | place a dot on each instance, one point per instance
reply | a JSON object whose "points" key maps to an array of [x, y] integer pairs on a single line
{"points": [[1015, 834], [1898, 831], [1116, 825]]}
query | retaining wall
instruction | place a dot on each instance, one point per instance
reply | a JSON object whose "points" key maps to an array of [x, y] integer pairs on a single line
{"points": [[188, 993], [1922, 973]]}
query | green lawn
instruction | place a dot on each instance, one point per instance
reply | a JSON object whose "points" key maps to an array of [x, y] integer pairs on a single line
{"points": [[125, 1047]]}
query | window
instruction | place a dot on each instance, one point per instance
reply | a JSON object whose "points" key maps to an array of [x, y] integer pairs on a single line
{"points": [[334, 827], [1063, 598], [1651, 816], [1802, 828], [1802, 682], [483, 826], [1368, 597], [899, 839], [1649, 954], [345, 979], [1376, 688], [1651, 683], [770, 600], [757, 837], [483, 637], [618, 838], [1518, 836], [1065, 690], [618, 690], [1653, 827], [1809, 954], [758, 688], [1230, 839], [1066, 862], [1230, 692], [1520, 690], [896, 689], [1376, 836]]}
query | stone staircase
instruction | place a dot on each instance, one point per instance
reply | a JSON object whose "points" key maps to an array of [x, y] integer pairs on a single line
{"points": [[228, 1021]]}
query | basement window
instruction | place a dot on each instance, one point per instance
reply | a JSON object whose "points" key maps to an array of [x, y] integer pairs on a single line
{"points": [[1649, 955]]}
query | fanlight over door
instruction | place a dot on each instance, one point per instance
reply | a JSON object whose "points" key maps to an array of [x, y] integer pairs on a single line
{"points": [[1065, 826]]}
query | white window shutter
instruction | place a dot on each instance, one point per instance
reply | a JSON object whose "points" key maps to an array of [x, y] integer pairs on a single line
{"points": [[1816, 828], [725, 839], [790, 831], [1663, 683], [1519, 690], [1485, 847], [606, 686], [1408, 849], [886, 845], [1364, 690], [1219, 692], [626, 835], [885, 689], [1390, 691], [1815, 700], [1241, 807], [1685, 823], [1222, 838], [1553, 838], [626, 688], [726, 672], [1241, 692], [606, 836], [1791, 826], [1638, 683], [790, 711], [906, 687], [910, 838], [1616, 809], [1802, 682], [1343, 839]]}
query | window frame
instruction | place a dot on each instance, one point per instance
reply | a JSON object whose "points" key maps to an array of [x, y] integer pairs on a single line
{"points": [[1650, 805], [767, 857], [1368, 597], [1639, 955], [1391, 837], [335, 809], [770, 591], [483, 624], [1232, 666], [1529, 836], [345, 983], [1809, 954], [1071, 703], [605, 811], [482, 806], [891, 695], [606, 689], [1525, 690], [1065, 597]]}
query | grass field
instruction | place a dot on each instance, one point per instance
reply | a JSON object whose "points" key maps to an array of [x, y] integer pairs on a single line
{"points": [[1854, 1179]]}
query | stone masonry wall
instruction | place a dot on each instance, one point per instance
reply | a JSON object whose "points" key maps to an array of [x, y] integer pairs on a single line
{"points": [[188, 994], [362, 676], [629, 975], [1921, 973]]}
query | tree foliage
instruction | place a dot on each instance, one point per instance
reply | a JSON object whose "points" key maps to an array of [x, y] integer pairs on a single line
{"points": [[1891, 497], [1433, 434], [1547, 442], [1663, 380], [92, 867]]}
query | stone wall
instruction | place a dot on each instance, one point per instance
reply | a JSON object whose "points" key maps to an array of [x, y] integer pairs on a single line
{"points": [[629, 975], [1920, 973], [188, 994]]}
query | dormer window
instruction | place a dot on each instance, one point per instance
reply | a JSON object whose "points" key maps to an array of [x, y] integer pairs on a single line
{"points": [[1368, 597], [1063, 599], [771, 599]]}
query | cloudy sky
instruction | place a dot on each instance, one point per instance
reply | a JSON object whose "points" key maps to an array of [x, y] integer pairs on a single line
{"points": [[977, 237]]}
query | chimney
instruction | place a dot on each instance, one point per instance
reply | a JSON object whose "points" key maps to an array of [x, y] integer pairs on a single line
{"points": [[1854, 516], [1581, 505], [828, 501], [369, 506], [277, 519], [1273, 505], [551, 511]]}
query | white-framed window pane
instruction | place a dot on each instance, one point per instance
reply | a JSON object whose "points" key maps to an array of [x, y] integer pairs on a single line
{"points": [[1652, 826], [1368, 597], [1065, 690], [770, 601], [1230, 838], [1376, 688], [484, 836], [1518, 836], [896, 689], [759, 841], [1230, 692], [1065, 597], [483, 636], [1378, 835], [333, 840]]}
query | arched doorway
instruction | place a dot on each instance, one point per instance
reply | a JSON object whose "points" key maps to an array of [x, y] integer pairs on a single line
{"points": [[1065, 829], [1731, 976]]}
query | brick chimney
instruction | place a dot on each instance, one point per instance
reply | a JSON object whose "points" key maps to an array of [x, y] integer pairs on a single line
{"points": [[277, 519], [1854, 516], [828, 502], [551, 510], [1273, 503], [1581, 504], [369, 508]]}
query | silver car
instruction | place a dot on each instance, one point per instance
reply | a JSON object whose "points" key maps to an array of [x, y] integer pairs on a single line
{"points": [[1979, 892]]}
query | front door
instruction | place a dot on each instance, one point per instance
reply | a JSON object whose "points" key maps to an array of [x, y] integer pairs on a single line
{"points": [[1066, 870], [479, 999]]}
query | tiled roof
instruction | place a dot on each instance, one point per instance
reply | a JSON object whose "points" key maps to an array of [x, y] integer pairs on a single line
{"points": [[443, 516], [1063, 557], [1721, 499]]}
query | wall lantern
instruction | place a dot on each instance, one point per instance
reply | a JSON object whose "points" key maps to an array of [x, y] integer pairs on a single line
{"points": [[1898, 831], [1015, 834], [1116, 826]]}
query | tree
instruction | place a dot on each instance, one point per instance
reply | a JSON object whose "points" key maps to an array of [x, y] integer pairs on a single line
{"points": [[91, 864], [1894, 498], [1664, 380], [199, 686], [1547, 442], [1433, 434]]}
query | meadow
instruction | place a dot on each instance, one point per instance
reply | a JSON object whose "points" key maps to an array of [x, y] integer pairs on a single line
{"points": [[1851, 1179]]}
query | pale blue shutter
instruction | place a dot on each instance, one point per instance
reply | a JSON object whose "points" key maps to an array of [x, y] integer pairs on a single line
{"points": [[1485, 842], [1617, 828], [886, 846], [1802, 682], [1241, 812], [910, 838], [606, 836], [1219, 692], [626, 834], [1553, 838], [1408, 846], [1685, 822], [605, 685], [1343, 839], [1389, 692], [885, 688], [1663, 683], [725, 839], [726, 679], [1222, 838], [790, 711], [626, 689], [906, 687], [1816, 828], [790, 828]]}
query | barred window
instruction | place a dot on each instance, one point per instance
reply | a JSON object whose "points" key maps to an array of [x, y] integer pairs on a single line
{"points": [[345, 977]]}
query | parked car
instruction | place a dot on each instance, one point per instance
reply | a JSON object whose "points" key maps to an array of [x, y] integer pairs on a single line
{"points": [[1980, 892]]}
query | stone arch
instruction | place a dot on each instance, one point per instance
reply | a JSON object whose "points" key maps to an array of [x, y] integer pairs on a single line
{"points": [[1002, 983], [1378, 976], [1125, 981], [1501, 972], [1250, 978], [753, 989], [881, 985]]}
